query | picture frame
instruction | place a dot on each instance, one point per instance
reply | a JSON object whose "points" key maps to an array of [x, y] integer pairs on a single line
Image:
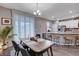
{"points": [[78, 25], [5, 21]]}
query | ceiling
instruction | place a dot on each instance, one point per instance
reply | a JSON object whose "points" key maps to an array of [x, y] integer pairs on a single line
{"points": [[49, 11]]}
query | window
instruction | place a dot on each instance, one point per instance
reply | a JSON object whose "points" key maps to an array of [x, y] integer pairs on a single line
{"points": [[23, 26]]}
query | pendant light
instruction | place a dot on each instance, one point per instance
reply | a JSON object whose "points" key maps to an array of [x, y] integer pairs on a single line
{"points": [[37, 11]]}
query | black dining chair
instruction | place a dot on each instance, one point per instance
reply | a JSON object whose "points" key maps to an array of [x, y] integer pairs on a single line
{"points": [[24, 52], [24, 45], [16, 47]]}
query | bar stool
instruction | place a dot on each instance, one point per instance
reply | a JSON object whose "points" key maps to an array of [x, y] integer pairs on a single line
{"points": [[77, 41], [49, 37], [69, 39], [55, 39]]}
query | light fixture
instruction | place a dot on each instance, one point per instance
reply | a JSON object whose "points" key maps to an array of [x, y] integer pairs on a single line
{"points": [[52, 16], [73, 16], [37, 11], [70, 11]]}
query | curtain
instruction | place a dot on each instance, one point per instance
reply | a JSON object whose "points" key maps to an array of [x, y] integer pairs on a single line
{"points": [[23, 26]]}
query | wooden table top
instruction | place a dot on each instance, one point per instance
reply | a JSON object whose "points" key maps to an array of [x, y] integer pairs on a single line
{"points": [[39, 46]]}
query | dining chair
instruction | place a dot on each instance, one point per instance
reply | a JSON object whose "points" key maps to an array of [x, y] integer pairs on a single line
{"points": [[23, 44], [16, 47], [24, 52], [25, 47]]}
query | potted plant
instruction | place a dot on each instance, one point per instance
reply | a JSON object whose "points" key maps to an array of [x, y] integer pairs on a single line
{"points": [[4, 34]]}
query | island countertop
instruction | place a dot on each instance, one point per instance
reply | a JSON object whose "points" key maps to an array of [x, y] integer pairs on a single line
{"points": [[63, 33]]}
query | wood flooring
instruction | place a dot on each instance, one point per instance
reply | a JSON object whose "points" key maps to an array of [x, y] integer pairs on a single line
{"points": [[57, 51]]}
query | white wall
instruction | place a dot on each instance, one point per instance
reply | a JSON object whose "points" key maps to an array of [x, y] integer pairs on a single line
{"points": [[55, 26], [40, 25], [4, 12]]}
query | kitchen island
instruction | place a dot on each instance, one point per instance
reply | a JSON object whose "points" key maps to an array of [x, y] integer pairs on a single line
{"points": [[69, 35]]}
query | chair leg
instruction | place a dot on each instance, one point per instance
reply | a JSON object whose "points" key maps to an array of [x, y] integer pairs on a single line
{"points": [[17, 53], [67, 41], [55, 42], [76, 43], [48, 52]]}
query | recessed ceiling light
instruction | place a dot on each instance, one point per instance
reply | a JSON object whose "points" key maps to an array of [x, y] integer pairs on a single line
{"points": [[70, 11], [73, 16], [52, 16]]}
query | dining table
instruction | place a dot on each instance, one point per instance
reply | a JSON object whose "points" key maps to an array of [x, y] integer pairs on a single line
{"points": [[40, 46]]}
